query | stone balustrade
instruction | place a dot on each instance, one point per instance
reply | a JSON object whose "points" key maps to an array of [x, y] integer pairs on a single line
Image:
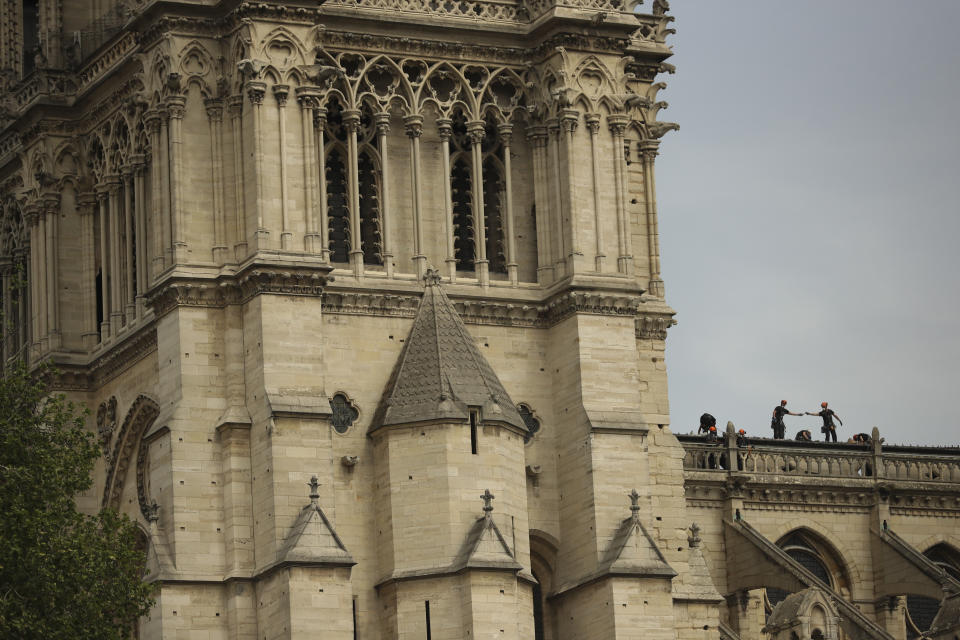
{"points": [[789, 458]]}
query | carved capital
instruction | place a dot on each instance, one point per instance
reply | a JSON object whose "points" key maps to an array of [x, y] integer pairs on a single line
{"points": [[112, 183], [151, 119], [649, 149], [618, 124], [319, 118], [139, 163], [281, 92], [569, 119], [256, 91], [351, 119], [505, 129], [593, 123], [235, 104], [382, 122], [176, 106], [214, 108], [308, 97], [553, 127], [413, 125], [86, 202], [445, 128], [50, 202], [537, 136], [476, 131]]}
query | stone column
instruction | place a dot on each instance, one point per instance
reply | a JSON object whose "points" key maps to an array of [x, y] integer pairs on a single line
{"points": [[569, 119], [382, 121], [127, 225], [618, 124], [116, 277], [43, 299], [32, 215], [648, 151], [537, 136], [86, 205], [281, 92], [593, 125], [255, 92], [152, 121], [139, 227], [445, 128], [6, 269], [506, 136], [51, 206], [176, 107], [413, 125], [240, 201], [475, 129], [351, 121], [165, 225], [214, 110], [308, 98], [553, 143], [103, 209], [319, 123]]}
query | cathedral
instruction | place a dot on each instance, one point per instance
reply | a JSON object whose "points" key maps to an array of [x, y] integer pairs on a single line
{"points": [[365, 299]]}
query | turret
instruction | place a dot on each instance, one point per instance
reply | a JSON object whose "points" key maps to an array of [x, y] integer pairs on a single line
{"points": [[447, 434]]}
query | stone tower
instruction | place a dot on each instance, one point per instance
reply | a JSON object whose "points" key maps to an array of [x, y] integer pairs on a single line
{"points": [[365, 298], [368, 297]]}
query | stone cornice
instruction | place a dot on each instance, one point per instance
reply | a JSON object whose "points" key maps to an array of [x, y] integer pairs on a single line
{"points": [[75, 376], [486, 311], [188, 290]]}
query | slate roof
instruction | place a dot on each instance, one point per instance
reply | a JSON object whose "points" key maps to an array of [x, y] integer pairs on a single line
{"points": [[441, 372]]}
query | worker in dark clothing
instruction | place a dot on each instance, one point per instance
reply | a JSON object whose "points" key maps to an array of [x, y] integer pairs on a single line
{"points": [[741, 438], [861, 438], [803, 436], [776, 423], [828, 428], [711, 434], [706, 421]]}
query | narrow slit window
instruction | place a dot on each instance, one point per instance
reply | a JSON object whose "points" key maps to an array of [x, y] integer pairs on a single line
{"points": [[474, 419], [354, 613], [426, 612]]}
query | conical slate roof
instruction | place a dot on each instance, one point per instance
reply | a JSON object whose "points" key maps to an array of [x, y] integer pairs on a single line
{"points": [[441, 372]]}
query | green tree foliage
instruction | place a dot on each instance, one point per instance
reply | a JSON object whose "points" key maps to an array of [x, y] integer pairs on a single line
{"points": [[63, 574]]}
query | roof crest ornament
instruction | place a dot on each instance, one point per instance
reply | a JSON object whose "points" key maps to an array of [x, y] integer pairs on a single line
{"points": [[314, 485], [487, 498], [432, 278], [634, 505]]}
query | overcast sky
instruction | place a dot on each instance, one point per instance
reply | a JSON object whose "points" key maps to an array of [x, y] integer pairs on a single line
{"points": [[810, 214]]}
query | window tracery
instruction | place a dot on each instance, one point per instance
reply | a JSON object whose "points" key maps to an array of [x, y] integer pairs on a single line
{"points": [[345, 413]]}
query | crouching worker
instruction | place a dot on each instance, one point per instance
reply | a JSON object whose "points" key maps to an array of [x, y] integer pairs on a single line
{"points": [[803, 436]]}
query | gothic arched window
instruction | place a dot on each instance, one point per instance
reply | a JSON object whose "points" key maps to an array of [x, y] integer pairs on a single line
{"points": [[338, 211], [806, 552], [340, 177], [494, 185], [921, 610], [461, 191], [368, 172]]}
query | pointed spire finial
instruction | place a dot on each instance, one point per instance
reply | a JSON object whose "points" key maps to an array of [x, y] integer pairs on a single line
{"points": [[314, 489], [694, 537], [487, 498], [635, 504], [432, 278]]}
